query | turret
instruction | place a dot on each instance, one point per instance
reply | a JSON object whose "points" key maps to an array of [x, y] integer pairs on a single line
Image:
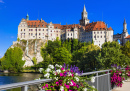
{"points": [[84, 19], [125, 26], [27, 17]]}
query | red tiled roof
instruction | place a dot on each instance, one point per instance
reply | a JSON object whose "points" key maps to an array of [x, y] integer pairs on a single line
{"points": [[70, 26], [58, 26], [36, 23], [96, 26], [128, 37]]}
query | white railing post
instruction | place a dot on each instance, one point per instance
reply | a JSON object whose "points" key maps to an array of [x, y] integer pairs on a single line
{"points": [[108, 81], [97, 80], [24, 88]]}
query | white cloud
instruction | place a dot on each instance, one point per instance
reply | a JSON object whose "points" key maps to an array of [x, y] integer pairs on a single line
{"points": [[1, 1]]}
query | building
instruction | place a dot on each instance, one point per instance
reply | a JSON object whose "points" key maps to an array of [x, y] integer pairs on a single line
{"points": [[85, 31], [98, 32], [124, 36]]}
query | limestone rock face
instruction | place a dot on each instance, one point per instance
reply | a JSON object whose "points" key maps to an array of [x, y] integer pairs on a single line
{"points": [[30, 49]]}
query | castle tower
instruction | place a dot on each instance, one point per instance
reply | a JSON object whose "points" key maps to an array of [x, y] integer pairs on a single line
{"points": [[125, 26], [27, 17], [84, 19]]}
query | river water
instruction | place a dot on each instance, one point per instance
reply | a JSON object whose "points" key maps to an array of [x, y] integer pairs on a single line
{"points": [[17, 77]]}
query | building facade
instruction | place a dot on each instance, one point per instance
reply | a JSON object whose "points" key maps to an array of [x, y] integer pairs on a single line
{"points": [[124, 36], [84, 32]]}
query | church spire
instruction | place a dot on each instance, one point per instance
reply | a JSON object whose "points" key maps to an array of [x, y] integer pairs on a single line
{"points": [[84, 9], [124, 21]]}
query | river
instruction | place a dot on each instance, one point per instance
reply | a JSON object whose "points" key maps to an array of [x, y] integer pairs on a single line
{"points": [[17, 77]]}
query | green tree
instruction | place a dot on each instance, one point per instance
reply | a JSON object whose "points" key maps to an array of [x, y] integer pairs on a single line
{"points": [[18, 39], [62, 55], [126, 49], [74, 45], [34, 60], [87, 55], [111, 54], [13, 60]]}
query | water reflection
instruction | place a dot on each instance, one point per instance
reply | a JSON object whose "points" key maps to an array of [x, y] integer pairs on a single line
{"points": [[17, 77]]}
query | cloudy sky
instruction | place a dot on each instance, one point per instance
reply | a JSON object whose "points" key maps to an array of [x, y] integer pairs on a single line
{"points": [[65, 11]]}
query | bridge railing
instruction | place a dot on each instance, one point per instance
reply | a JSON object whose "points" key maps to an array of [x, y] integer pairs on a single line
{"points": [[102, 82]]}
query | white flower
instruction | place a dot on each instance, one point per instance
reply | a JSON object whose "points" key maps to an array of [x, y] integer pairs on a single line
{"points": [[57, 65], [51, 66], [60, 66], [56, 78], [92, 79], [47, 75], [61, 88], [40, 70], [54, 72], [58, 71], [85, 89], [77, 79], [69, 74], [71, 83], [76, 74], [48, 70], [93, 87]]}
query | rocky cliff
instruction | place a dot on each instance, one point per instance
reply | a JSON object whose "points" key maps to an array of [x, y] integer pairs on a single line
{"points": [[31, 48]]}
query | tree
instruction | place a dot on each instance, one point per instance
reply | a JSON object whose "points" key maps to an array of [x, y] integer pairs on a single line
{"points": [[13, 60], [111, 54], [87, 55], [126, 49], [34, 60], [74, 45], [18, 39], [62, 55]]}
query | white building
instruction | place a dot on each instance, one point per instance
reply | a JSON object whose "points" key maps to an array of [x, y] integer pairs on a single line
{"points": [[85, 32]]}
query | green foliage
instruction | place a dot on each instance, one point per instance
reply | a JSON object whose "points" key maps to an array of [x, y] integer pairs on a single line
{"points": [[18, 39], [126, 49], [34, 60], [111, 54], [13, 60], [85, 58], [62, 55]]}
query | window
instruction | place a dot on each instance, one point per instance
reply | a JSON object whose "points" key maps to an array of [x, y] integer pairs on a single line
{"points": [[101, 36], [57, 34], [43, 29], [31, 34], [35, 29], [46, 29], [39, 34], [50, 27], [94, 36], [51, 34], [104, 36], [68, 34], [39, 29], [51, 30], [94, 32], [97, 32], [36, 34], [21, 29], [43, 33], [71, 34], [101, 32], [57, 31], [21, 35], [43, 25], [97, 36], [31, 29]]}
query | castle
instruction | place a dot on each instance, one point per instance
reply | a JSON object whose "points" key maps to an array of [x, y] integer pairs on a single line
{"points": [[84, 32]]}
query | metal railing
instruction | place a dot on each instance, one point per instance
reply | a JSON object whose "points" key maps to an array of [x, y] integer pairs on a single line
{"points": [[102, 82]]}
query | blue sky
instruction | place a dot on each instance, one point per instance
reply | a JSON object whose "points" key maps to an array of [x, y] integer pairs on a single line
{"points": [[65, 11]]}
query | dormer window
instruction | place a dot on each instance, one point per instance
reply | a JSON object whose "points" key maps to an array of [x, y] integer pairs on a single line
{"points": [[43, 25], [56, 27]]}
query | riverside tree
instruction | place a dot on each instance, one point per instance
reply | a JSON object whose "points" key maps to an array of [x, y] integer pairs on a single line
{"points": [[13, 60]]}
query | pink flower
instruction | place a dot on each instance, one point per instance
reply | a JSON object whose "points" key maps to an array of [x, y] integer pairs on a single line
{"points": [[67, 86], [62, 68], [72, 75], [61, 74]]}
